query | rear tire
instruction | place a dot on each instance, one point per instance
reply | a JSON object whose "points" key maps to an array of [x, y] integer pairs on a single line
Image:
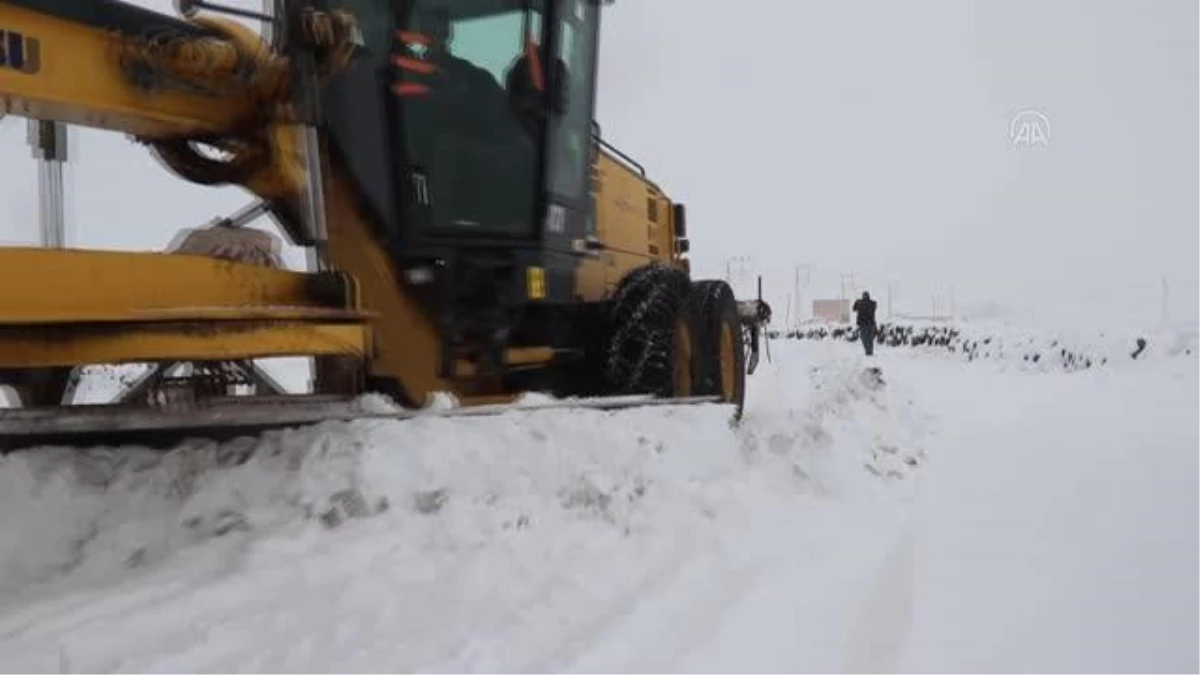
{"points": [[651, 336], [720, 357]]}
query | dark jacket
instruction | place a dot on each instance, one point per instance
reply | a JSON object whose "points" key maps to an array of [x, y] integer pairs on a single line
{"points": [[864, 308]]}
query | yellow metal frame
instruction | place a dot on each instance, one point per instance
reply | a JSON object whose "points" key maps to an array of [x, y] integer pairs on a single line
{"points": [[75, 285], [78, 307], [66, 345]]}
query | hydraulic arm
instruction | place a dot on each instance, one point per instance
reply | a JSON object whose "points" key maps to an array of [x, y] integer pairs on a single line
{"points": [[185, 88]]}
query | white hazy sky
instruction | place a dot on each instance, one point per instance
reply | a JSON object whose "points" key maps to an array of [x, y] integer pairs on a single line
{"points": [[859, 137]]}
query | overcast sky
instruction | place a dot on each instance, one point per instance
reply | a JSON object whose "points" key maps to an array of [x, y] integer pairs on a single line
{"points": [[870, 138]]}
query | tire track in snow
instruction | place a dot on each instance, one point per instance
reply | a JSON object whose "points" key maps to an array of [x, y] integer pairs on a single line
{"points": [[877, 639], [718, 606], [671, 613]]}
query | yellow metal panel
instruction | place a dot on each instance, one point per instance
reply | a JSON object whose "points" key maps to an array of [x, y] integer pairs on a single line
{"points": [[623, 225], [406, 341], [61, 286], [621, 208], [661, 235], [43, 346]]}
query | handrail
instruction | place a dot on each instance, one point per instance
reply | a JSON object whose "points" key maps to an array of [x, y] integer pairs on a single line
{"points": [[628, 160]]}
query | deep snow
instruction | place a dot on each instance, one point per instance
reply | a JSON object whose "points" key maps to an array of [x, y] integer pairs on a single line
{"points": [[1058, 530], [433, 544], [960, 517]]}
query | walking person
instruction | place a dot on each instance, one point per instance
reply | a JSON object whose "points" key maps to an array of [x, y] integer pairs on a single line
{"points": [[864, 310]]}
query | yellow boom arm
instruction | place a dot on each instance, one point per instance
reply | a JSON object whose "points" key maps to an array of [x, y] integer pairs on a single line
{"points": [[210, 80], [110, 65]]}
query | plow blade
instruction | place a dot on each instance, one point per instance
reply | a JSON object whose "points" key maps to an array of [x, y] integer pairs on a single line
{"points": [[224, 419]]}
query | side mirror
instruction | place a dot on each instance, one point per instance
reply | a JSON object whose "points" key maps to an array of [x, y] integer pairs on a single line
{"points": [[683, 246], [187, 8]]}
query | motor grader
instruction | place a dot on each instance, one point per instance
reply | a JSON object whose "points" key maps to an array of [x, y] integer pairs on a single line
{"points": [[469, 229]]}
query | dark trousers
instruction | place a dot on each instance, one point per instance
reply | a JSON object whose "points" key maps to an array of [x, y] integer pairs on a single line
{"points": [[867, 335]]}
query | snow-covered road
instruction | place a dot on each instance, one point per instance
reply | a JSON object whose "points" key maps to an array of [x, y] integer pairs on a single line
{"points": [[1057, 530], [961, 517]]}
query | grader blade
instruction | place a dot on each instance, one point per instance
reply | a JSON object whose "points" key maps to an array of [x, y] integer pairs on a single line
{"points": [[220, 420]]}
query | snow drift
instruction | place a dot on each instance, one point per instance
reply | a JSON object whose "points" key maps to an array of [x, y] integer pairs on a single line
{"points": [[467, 543]]}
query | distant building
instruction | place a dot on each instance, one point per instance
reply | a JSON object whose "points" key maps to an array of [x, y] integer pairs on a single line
{"points": [[834, 311]]}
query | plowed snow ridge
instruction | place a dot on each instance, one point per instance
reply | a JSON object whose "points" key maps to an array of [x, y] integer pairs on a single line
{"points": [[464, 544]]}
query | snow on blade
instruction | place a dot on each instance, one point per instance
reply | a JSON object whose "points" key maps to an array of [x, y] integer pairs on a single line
{"points": [[492, 543]]}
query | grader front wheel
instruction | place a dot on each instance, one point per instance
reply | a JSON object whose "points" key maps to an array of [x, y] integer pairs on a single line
{"points": [[720, 359]]}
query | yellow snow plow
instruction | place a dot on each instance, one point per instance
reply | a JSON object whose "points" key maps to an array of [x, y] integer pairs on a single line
{"points": [[469, 229]]}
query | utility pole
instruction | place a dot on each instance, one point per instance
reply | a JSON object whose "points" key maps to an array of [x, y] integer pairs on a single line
{"points": [[890, 292], [1166, 307], [736, 275], [796, 294], [799, 290]]}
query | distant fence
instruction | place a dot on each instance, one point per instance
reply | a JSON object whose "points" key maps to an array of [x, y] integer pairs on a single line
{"points": [[1029, 350]]}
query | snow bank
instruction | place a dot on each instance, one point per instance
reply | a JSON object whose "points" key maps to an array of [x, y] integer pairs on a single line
{"points": [[1023, 348], [470, 543]]}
